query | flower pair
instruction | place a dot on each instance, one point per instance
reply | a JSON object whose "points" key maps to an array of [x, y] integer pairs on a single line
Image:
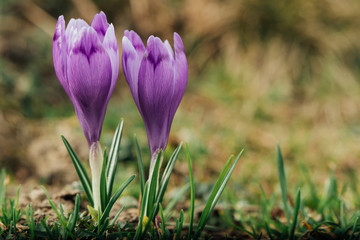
{"points": [[86, 60]]}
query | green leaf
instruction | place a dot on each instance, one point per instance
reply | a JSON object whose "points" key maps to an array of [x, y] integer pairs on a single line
{"points": [[114, 198], [166, 175], [295, 216], [43, 223], [159, 193], [117, 216], [104, 226], [313, 191], [30, 221], [141, 166], [59, 215], [139, 228], [113, 158], [192, 192], [93, 213], [342, 214], [103, 193], [75, 215], [282, 178], [175, 199], [153, 185], [179, 224], [162, 221], [216, 193], [2, 187], [83, 176], [354, 228]]}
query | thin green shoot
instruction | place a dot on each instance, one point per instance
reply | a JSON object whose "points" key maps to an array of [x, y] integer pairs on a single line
{"points": [[282, 179], [60, 214], [163, 231], [175, 199], [80, 169], [30, 221], [140, 165], [192, 192], [216, 193], [113, 199], [295, 215], [354, 228], [179, 225], [117, 216], [113, 159], [2, 187]]}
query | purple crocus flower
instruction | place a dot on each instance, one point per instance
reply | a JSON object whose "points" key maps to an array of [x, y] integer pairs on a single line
{"points": [[157, 78], [86, 60]]}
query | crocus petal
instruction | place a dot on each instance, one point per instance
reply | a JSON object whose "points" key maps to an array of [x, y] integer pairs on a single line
{"points": [[133, 52], [100, 25], [89, 73], [180, 75], [157, 82], [59, 53], [111, 47], [155, 79], [168, 47], [136, 42], [131, 65], [72, 32]]}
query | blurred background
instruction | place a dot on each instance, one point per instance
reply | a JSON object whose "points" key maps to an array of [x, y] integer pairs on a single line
{"points": [[260, 72]]}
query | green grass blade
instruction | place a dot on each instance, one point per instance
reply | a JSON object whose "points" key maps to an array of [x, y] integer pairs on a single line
{"points": [[139, 228], [162, 221], [313, 191], [2, 187], [216, 193], [30, 221], [83, 176], [282, 179], [354, 228], [58, 214], [268, 230], [14, 216], [216, 187], [153, 187], [170, 166], [166, 175], [342, 214], [175, 199], [75, 214], [104, 226], [114, 198], [330, 193], [117, 216], [192, 192], [140, 165], [179, 225], [295, 216], [103, 192], [46, 227], [224, 182], [113, 158]]}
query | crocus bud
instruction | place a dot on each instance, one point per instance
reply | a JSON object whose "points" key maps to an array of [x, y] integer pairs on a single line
{"points": [[157, 79], [86, 60]]}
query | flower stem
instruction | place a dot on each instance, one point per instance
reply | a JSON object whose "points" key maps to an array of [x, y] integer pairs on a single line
{"points": [[96, 161]]}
